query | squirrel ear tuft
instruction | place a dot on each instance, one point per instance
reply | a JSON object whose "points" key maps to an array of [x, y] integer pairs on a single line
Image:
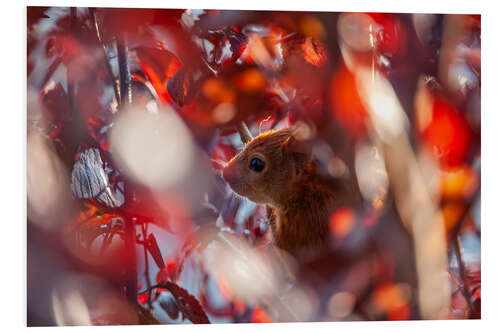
{"points": [[297, 151], [292, 145], [298, 140]]}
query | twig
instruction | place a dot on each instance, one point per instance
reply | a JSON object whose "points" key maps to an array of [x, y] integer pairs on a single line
{"points": [[131, 269], [455, 244], [144, 228], [123, 65], [245, 134], [151, 288], [130, 233], [51, 70], [105, 55], [463, 276]]}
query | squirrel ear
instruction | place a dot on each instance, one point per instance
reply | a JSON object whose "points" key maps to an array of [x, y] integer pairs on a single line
{"points": [[297, 152], [293, 145], [299, 139]]}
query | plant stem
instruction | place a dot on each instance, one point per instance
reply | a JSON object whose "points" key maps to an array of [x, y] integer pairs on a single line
{"points": [[114, 83], [125, 82], [144, 228], [244, 132], [130, 232], [463, 276]]}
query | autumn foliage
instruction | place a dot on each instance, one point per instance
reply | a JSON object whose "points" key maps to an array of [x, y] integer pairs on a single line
{"points": [[133, 112]]}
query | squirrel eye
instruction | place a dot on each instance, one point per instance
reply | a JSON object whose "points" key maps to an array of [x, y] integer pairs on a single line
{"points": [[257, 165]]}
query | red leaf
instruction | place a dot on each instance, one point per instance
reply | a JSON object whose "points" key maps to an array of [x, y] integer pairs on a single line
{"points": [[400, 313], [56, 102], [168, 272], [188, 304], [159, 65], [143, 298], [346, 103], [91, 217], [162, 275], [155, 252], [314, 52], [184, 85], [390, 37], [448, 134]]}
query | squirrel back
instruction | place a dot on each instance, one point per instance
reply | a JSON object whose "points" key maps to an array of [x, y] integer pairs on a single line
{"points": [[302, 222]]}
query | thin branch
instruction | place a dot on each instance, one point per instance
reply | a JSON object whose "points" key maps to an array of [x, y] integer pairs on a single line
{"points": [[51, 70], [125, 78], [131, 269], [151, 288], [455, 246], [144, 229], [463, 275], [130, 232], [114, 83], [245, 134]]}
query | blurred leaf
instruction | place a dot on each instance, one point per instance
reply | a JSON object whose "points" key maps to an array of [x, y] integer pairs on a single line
{"points": [[155, 252], [183, 86], [188, 304], [170, 307], [56, 103], [259, 315], [89, 179], [346, 103], [390, 34], [314, 52], [159, 65], [143, 298], [448, 134], [458, 182], [90, 217]]}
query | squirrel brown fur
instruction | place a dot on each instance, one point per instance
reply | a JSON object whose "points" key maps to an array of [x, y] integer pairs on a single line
{"points": [[299, 200]]}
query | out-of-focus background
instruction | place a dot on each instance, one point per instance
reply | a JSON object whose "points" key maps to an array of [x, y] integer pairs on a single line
{"points": [[132, 113]]}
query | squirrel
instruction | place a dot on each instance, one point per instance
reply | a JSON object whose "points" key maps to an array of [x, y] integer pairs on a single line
{"points": [[277, 169]]}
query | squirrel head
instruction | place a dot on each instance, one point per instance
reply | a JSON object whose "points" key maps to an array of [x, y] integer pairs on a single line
{"points": [[264, 170]]}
